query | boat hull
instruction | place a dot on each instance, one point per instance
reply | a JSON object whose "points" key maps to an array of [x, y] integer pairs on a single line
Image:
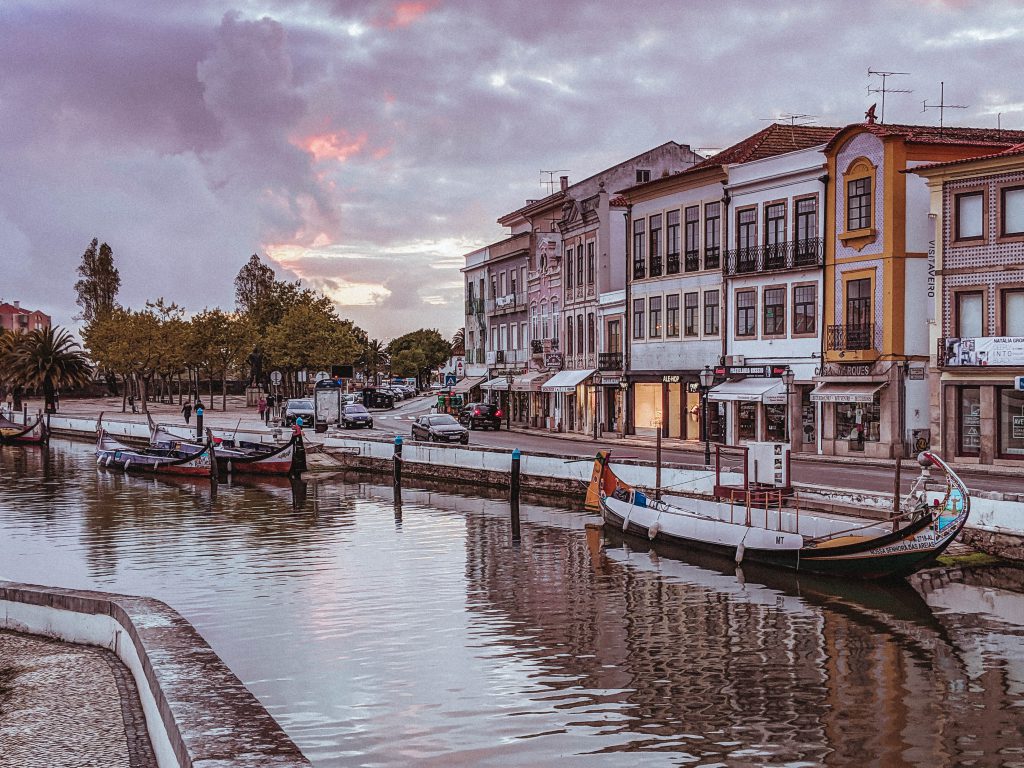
{"points": [[18, 434]]}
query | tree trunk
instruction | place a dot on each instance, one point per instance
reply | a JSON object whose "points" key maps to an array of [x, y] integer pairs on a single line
{"points": [[211, 390], [48, 396], [224, 390]]}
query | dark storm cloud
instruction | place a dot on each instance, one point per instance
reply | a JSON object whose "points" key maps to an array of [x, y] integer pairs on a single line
{"points": [[363, 143]]}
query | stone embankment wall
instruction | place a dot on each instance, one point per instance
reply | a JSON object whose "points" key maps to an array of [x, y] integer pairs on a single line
{"points": [[198, 713]]}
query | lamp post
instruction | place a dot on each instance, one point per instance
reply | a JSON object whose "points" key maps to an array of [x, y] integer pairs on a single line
{"points": [[787, 378], [508, 401], [623, 389], [706, 377]]}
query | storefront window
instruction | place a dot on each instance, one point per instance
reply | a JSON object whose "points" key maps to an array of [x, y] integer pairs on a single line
{"points": [[1011, 423], [970, 421], [775, 423], [807, 419], [747, 420], [859, 423]]}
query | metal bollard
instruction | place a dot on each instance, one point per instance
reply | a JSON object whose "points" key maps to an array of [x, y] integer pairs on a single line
{"points": [[397, 469], [199, 424], [514, 494]]}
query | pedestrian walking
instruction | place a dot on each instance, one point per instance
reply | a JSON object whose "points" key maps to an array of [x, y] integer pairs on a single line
{"points": [[262, 408], [271, 403], [9, 402], [186, 410], [131, 402]]}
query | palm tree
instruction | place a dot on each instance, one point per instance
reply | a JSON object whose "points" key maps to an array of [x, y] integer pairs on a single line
{"points": [[375, 356], [48, 359], [459, 342]]}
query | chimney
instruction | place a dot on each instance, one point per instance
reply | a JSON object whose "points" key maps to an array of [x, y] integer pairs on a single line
{"points": [[17, 305], [564, 180]]}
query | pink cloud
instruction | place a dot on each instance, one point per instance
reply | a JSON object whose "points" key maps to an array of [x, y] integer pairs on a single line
{"points": [[339, 145], [403, 14]]}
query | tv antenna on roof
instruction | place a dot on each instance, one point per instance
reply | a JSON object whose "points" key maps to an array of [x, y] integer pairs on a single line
{"points": [[883, 90], [550, 181], [792, 118], [942, 106]]}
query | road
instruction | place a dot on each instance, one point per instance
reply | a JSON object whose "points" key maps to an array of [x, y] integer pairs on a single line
{"points": [[864, 477]]}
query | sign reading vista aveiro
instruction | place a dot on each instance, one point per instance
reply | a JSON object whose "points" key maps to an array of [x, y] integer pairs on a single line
{"points": [[984, 350]]}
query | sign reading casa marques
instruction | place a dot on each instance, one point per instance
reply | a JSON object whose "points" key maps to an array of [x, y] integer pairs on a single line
{"points": [[984, 350]]}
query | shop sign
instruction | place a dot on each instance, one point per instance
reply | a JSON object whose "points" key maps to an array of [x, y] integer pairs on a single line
{"points": [[693, 387], [1018, 383], [1018, 427], [983, 350], [756, 371], [915, 374], [670, 379], [553, 360], [845, 369]]}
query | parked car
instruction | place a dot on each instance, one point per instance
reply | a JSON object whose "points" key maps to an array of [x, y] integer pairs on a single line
{"points": [[299, 407], [477, 415], [439, 428], [377, 398], [356, 415]]}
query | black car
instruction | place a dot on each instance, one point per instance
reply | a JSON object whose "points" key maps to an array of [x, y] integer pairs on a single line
{"points": [[439, 428], [477, 415], [355, 415], [378, 398]]}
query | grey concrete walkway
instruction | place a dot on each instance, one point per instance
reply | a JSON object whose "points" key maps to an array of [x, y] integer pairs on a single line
{"points": [[68, 706]]}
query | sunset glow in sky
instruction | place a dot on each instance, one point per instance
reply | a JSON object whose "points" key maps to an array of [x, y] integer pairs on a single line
{"points": [[365, 145]]}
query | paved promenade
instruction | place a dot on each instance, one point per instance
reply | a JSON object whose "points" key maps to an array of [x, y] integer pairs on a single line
{"points": [[65, 705]]}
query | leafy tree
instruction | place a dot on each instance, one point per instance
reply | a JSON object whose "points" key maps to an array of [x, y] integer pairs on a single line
{"points": [[220, 343], [47, 359], [433, 346], [100, 281], [311, 335]]}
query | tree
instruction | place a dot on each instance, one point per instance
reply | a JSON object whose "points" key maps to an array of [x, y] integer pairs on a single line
{"points": [[435, 352], [311, 335], [220, 343], [48, 359], [374, 357], [100, 281], [458, 342]]}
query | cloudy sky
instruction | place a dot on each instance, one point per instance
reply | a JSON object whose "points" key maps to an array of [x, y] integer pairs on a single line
{"points": [[365, 145]]}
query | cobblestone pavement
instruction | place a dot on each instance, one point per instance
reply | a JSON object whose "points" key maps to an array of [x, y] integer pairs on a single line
{"points": [[70, 706]]}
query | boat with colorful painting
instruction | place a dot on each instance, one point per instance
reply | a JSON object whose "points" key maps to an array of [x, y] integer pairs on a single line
{"points": [[115, 454], [775, 531], [238, 456], [12, 433]]}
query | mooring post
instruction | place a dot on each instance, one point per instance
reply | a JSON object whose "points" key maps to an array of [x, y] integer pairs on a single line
{"points": [[514, 494], [199, 423], [896, 493], [397, 475]]}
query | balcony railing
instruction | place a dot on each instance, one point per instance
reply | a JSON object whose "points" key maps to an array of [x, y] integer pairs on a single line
{"points": [[609, 361], [692, 261], [542, 346], [655, 266], [795, 254], [639, 270], [474, 307], [712, 257], [512, 302], [850, 337], [672, 264]]}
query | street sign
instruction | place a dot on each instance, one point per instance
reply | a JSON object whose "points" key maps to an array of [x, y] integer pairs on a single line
{"points": [[1018, 383], [275, 377], [302, 376], [449, 379], [322, 376]]}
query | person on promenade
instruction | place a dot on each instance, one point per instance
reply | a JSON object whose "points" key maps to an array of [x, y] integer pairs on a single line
{"points": [[186, 410], [262, 408], [131, 402], [297, 427], [271, 402]]}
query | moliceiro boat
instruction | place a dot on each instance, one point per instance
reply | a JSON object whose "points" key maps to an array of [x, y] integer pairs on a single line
{"points": [[12, 433], [238, 457], [112, 453], [778, 533]]}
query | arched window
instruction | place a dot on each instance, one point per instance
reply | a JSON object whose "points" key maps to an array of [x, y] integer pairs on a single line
{"points": [[568, 335], [544, 320], [591, 333], [579, 334]]}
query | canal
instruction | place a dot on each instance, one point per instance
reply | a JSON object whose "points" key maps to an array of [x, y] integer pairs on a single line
{"points": [[384, 635]]}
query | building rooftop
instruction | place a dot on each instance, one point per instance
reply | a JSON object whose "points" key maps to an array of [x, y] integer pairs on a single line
{"points": [[933, 134], [1014, 151]]}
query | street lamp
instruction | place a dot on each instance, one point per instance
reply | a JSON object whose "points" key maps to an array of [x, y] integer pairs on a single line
{"points": [[707, 378], [508, 401], [787, 378]]}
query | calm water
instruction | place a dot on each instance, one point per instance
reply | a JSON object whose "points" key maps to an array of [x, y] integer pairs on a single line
{"points": [[422, 637]]}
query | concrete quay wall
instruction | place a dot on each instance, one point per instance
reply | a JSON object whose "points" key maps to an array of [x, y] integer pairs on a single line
{"points": [[198, 713]]}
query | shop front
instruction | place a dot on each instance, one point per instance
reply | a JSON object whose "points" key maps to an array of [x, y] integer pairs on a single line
{"points": [[671, 401], [755, 409], [984, 420], [574, 400], [856, 417]]}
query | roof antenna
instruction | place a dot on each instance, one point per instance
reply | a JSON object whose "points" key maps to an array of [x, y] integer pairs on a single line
{"points": [[550, 181], [793, 118], [942, 106], [883, 90]]}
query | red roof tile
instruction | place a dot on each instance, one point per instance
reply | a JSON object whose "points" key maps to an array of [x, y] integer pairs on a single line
{"points": [[618, 202], [933, 134], [1016, 149]]}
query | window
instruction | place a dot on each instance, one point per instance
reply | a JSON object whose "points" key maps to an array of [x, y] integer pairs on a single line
{"points": [[672, 315], [969, 307], [858, 314], [712, 235], [614, 336], [711, 313], [569, 335], [654, 326], [1011, 423], [775, 423], [969, 217], [774, 321], [512, 282], [639, 265], [501, 285], [643, 176], [545, 326], [805, 310], [1011, 212], [746, 313], [691, 239], [591, 334], [969, 423], [858, 423], [806, 232], [579, 334], [655, 241], [1012, 310], [590, 263], [746, 239], [858, 204], [746, 413], [568, 269], [638, 318], [579, 266], [774, 235], [691, 314], [494, 286], [672, 242]]}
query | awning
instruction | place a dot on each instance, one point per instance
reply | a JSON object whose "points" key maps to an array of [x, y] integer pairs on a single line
{"points": [[834, 392], [530, 382], [567, 381], [767, 391], [497, 384], [467, 384]]}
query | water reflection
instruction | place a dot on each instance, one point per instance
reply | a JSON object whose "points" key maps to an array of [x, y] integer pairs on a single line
{"points": [[407, 630]]}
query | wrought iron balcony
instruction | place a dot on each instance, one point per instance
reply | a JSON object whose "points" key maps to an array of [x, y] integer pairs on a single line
{"points": [[712, 257], [794, 254], [655, 266], [850, 337], [639, 270], [692, 261], [609, 361], [672, 264], [474, 307]]}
